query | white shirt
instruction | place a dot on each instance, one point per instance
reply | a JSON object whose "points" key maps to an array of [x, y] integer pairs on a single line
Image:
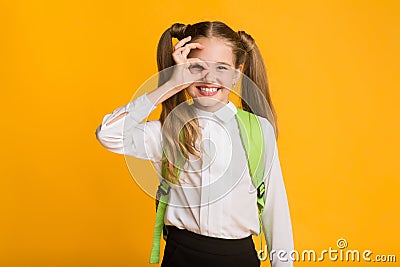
{"points": [[217, 197]]}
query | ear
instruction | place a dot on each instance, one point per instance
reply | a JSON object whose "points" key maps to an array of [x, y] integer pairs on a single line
{"points": [[238, 73], [240, 68]]}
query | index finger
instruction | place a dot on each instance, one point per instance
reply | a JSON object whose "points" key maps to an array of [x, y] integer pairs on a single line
{"points": [[181, 42], [190, 46]]}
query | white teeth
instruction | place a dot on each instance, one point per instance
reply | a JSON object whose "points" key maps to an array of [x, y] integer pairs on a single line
{"points": [[208, 90]]}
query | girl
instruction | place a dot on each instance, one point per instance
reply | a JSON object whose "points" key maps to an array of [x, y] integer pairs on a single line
{"points": [[212, 212]]}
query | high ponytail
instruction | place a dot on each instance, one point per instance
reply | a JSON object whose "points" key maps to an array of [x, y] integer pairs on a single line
{"points": [[253, 100], [164, 50], [182, 118]]}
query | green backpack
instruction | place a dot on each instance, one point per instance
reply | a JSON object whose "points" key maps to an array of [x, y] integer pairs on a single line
{"points": [[253, 142]]}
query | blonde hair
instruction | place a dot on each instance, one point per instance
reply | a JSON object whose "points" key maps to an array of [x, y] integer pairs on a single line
{"points": [[182, 124]]}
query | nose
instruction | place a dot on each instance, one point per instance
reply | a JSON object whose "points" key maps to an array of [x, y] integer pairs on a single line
{"points": [[210, 76]]}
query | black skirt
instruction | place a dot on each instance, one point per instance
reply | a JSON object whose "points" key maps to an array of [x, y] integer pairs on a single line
{"points": [[185, 248]]}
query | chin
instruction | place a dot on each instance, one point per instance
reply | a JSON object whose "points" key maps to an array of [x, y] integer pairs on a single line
{"points": [[208, 101]]}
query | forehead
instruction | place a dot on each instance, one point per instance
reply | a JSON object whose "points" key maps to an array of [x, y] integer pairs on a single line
{"points": [[215, 50]]}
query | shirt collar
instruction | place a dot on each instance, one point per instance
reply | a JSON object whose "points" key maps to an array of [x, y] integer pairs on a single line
{"points": [[225, 113]]}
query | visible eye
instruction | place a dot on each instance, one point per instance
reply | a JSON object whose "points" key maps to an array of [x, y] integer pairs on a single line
{"points": [[196, 66], [221, 67]]}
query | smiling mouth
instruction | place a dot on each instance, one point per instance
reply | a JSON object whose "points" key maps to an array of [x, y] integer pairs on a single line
{"points": [[208, 90]]}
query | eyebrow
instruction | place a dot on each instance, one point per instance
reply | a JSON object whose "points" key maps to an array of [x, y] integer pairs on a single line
{"points": [[219, 62], [225, 63]]}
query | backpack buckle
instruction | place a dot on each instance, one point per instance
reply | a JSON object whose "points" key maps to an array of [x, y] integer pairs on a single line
{"points": [[164, 187], [261, 190]]}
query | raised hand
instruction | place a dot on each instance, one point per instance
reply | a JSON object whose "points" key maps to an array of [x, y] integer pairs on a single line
{"points": [[183, 74]]}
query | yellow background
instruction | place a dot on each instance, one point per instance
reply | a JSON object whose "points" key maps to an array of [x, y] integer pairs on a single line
{"points": [[333, 75]]}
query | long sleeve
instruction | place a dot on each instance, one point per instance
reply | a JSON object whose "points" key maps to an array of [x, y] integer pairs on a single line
{"points": [[129, 135], [276, 219]]}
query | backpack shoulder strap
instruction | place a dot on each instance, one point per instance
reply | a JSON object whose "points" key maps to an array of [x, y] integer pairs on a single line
{"points": [[161, 206], [253, 141], [163, 195], [252, 138]]}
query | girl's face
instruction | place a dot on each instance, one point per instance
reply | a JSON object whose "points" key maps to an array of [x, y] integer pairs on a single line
{"points": [[212, 91]]}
